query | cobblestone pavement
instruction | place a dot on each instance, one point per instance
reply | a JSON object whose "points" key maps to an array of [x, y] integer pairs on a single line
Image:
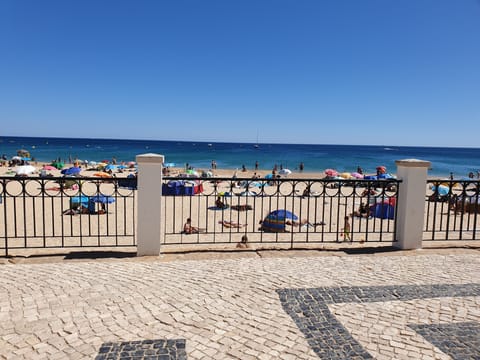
{"points": [[408, 305]]}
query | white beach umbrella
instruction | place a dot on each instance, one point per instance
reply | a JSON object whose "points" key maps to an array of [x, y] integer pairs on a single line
{"points": [[285, 172], [25, 169]]}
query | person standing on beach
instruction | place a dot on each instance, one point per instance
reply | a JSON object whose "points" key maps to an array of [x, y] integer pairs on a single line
{"points": [[256, 165], [346, 229], [301, 167]]}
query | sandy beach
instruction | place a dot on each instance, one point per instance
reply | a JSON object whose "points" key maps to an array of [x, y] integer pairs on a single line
{"points": [[324, 215]]}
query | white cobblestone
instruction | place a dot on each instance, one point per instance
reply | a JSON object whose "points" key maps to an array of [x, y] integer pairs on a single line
{"points": [[224, 309]]}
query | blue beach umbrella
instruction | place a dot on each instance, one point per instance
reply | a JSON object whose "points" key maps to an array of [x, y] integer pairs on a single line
{"points": [[71, 171], [442, 189], [110, 167], [275, 221], [283, 215]]}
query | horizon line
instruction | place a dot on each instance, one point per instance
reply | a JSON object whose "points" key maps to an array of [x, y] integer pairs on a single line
{"points": [[238, 142]]}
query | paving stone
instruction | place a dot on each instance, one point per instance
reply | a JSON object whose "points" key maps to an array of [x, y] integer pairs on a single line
{"points": [[383, 306], [459, 340]]}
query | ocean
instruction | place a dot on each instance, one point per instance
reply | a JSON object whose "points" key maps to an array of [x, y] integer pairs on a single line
{"points": [[316, 158]]}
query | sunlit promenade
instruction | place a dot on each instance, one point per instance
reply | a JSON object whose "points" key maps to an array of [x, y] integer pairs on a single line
{"points": [[421, 304]]}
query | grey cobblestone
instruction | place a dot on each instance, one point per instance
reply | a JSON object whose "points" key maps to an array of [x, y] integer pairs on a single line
{"points": [[459, 340], [386, 306]]}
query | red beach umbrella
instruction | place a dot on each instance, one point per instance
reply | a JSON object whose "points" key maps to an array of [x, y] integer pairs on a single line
{"points": [[331, 172]]}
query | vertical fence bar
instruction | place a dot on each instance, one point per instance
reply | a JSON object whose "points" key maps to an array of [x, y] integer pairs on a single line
{"points": [[4, 196]]}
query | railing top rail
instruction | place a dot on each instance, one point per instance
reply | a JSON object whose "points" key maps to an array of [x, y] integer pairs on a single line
{"points": [[229, 178]]}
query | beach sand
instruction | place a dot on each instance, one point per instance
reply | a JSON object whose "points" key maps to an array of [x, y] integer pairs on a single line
{"points": [[35, 219]]}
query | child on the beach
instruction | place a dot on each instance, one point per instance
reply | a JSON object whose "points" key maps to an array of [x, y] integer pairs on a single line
{"points": [[188, 228], [243, 244], [346, 229]]}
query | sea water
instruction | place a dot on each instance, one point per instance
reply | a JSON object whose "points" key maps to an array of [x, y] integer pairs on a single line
{"points": [[316, 158]]}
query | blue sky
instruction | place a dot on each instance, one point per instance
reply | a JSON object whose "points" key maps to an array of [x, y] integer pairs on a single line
{"points": [[383, 72]]}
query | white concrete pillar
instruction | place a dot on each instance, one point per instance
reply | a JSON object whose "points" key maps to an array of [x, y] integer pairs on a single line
{"points": [[149, 204], [411, 202]]}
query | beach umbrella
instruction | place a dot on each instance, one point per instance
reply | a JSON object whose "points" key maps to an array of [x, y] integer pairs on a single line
{"points": [[131, 164], [121, 167], [169, 164], [248, 193], [285, 172], [25, 169], [58, 165], [381, 169], [49, 167], [282, 215], [442, 189], [357, 175], [23, 153], [71, 171], [345, 175], [192, 173], [331, 172], [110, 167], [102, 199], [16, 158], [275, 220]]}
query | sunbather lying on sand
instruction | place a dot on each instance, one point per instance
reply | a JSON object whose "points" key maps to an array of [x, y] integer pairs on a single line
{"points": [[242, 207], [231, 224], [74, 211]]}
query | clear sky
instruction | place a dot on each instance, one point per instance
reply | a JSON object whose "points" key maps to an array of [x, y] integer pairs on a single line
{"points": [[384, 72]]}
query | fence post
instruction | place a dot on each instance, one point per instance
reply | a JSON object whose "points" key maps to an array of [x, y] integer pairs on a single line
{"points": [[411, 202], [149, 220]]}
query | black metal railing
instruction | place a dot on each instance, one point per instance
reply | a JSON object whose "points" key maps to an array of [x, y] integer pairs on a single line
{"points": [[310, 211], [50, 212], [451, 211]]}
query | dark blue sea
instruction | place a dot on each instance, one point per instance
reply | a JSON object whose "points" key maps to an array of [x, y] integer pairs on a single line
{"points": [[316, 158]]}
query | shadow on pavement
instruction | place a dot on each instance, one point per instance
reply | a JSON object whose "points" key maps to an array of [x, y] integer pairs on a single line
{"points": [[370, 250], [99, 255]]}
